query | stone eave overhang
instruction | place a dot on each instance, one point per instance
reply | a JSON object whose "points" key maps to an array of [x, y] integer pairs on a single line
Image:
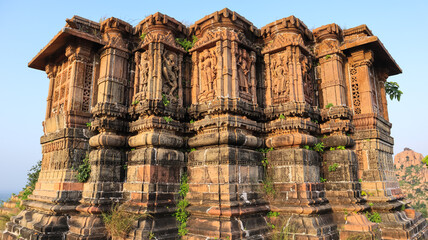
{"points": [[384, 59], [58, 43]]}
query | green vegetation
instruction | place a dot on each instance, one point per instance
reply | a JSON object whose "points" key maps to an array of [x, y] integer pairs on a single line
{"points": [[374, 217], [192, 149], [84, 170], [88, 124], [328, 56], [4, 218], [363, 193], [340, 147], [425, 160], [165, 100], [181, 213], [319, 147], [421, 207], [142, 36], [267, 180], [167, 119], [323, 180], [32, 177], [272, 214], [392, 90], [192, 121], [328, 106], [186, 44], [333, 167], [118, 222], [281, 116], [135, 102]]}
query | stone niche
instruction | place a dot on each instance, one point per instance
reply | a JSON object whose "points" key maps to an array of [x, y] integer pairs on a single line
{"points": [[283, 133]]}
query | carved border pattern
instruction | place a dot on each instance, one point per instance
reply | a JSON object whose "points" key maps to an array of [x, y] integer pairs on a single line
{"points": [[355, 91]]}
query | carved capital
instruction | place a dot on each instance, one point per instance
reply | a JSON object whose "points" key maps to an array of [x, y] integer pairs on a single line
{"points": [[79, 53], [50, 70], [362, 58], [332, 31]]}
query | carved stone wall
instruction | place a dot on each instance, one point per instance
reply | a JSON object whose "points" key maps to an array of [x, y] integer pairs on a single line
{"points": [[282, 131]]}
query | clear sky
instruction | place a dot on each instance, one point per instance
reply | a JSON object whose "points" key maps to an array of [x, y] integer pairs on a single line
{"points": [[27, 26]]}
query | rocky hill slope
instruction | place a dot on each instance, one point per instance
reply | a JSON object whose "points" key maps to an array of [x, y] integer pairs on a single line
{"points": [[412, 175]]}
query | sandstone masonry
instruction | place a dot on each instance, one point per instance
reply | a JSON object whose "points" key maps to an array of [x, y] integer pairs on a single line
{"points": [[279, 120]]}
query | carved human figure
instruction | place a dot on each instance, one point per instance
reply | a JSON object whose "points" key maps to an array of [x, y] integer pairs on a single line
{"points": [[207, 71], [144, 73], [279, 75], [307, 79], [170, 73], [243, 69]]}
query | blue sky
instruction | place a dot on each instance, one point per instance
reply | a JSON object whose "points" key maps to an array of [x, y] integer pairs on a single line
{"points": [[27, 26]]}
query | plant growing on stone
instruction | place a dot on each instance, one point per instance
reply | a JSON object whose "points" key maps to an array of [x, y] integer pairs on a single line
{"points": [[363, 193], [135, 102], [332, 148], [84, 170], [374, 217], [340, 148], [328, 106], [181, 213], [165, 100], [327, 57], [333, 167], [319, 147], [88, 124], [167, 119], [281, 116], [142, 36], [192, 121], [392, 90], [323, 180], [272, 214], [118, 222], [186, 44]]}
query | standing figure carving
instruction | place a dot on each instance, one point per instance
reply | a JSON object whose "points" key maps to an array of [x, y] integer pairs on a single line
{"points": [[170, 73], [308, 89], [280, 84], [244, 64], [144, 73], [208, 71]]}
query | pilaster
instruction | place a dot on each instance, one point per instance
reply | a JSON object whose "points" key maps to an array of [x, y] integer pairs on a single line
{"points": [[298, 195], [107, 156]]}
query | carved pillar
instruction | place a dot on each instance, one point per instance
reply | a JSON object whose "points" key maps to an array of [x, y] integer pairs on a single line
{"points": [[64, 146], [372, 135], [50, 71], [381, 77], [224, 168], [298, 195], [156, 160], [339, 162], [107, 156]]}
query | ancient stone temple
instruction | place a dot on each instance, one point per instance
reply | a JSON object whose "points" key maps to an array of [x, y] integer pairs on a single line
{"points": [[254, 133]]}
